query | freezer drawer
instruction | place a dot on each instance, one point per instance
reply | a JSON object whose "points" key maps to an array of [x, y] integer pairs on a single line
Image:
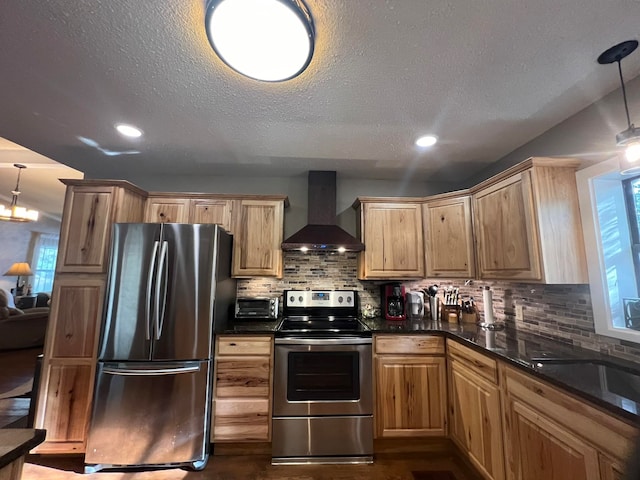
{"points": [[150, 414]]}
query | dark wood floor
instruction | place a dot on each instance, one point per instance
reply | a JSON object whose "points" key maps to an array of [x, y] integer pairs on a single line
{"points": [[397, 466], [16, 368]]}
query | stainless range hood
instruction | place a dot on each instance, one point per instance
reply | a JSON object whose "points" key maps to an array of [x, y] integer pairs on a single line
{"points": [[321, 232]]}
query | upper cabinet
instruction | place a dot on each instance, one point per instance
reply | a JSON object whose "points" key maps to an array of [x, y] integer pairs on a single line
{"points": [[448, 236], [259, 228], [527, 224], [215, 210], [162, 209], [391, 230]]}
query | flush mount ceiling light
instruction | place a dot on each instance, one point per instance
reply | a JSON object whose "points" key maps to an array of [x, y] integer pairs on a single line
{"points": [[269, 40], [15, 213], [629, 138], [128, 130], [426, 141]]}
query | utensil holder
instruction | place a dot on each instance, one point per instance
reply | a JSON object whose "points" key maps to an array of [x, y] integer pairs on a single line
{"points": [[450, 313], [469, 317]]}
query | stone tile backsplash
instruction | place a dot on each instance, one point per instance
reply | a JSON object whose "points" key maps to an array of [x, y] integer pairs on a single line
{"points": [[559, 312]]}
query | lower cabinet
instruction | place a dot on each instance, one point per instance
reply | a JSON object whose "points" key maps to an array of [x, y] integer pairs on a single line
{"points": [[411, 388], [242, 389]]}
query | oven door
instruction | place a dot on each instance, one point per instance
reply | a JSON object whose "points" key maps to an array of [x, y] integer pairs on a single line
{"points": [[322, 376]]}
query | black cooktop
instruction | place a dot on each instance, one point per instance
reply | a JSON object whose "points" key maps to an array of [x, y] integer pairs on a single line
{"points": [[322, 326]]}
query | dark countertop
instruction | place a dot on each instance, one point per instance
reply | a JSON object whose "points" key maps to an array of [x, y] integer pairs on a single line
{"points": [[16, 442], [612, 383]]}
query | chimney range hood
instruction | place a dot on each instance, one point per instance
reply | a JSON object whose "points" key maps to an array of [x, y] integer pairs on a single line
{"points": [[321, 232]]}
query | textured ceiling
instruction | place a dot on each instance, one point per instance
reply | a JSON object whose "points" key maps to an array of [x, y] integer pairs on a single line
{"points": [[486, 76]]}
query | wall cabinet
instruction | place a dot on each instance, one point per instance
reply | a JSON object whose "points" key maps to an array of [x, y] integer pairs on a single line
{"points": [[448, 236], [410, 386], [242, 389], [550, 434], [392, 233], [68, 367], [527, 224], [475, 422], [218, 211], [166, 210]]}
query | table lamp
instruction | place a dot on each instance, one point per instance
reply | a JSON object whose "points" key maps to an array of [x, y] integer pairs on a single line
{"points": [[20, 269]]}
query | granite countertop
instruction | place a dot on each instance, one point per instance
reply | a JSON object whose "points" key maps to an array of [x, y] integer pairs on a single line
{"points": [[16, 442], [612, 383]]}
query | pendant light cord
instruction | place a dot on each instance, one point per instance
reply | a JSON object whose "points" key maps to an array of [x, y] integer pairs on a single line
{"points": [[624, 94], [17, 189]]}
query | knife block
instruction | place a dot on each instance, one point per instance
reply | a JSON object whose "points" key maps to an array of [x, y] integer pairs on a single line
{"points": [[469, 317], [450, 313]]}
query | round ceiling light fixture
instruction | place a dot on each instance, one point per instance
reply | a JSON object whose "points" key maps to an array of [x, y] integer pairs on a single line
{"points": [[427, 141], [128, 130], [268, 40]]}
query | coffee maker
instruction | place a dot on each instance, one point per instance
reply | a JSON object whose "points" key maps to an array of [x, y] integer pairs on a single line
{"points": [[393, 301]]}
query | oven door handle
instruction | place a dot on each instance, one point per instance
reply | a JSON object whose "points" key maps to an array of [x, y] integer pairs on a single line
{"points": [[323, 341]]}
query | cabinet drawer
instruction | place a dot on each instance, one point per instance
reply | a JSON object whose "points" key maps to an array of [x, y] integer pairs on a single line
{"points": [[242, 377], [477, 362], [244, 345], [241, 420], [409, 344]]}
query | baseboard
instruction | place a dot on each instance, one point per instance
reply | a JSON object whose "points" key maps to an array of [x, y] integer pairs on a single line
{"points": [[438, 445], [245, 448]]}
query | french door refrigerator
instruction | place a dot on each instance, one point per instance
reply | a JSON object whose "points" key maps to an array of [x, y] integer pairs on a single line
{"points": [[169, 291]]}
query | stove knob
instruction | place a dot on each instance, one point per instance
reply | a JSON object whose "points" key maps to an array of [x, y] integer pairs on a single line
{"points": [[300, 298], [340, 299], [348, 299], [292, 299]]}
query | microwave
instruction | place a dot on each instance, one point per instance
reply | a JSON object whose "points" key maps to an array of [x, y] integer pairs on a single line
{"points": [[259, 308]]}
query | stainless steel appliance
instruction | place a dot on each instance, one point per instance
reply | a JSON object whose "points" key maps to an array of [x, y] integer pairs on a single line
{"points": [[169, 291], [323, 393], [258, 308]]}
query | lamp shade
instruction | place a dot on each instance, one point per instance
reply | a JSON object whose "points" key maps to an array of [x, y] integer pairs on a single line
{"points": [[19, 269]]}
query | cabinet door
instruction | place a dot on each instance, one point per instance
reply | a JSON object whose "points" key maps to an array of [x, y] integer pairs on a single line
{"points": [[166, 210], [86, 229], [506, 233], [258, 238], [475, 420], [392, 234], [75, 318], [448, 236], [611, 469], [246, 376], [63, 409], [545, 449], [211, 211], [410, 396]]}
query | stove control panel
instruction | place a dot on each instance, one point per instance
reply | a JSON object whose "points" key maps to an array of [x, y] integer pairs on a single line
{"points": [[320, 298]]}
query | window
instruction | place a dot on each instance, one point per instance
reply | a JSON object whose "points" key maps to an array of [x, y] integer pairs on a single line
{"points": [[44, 262], [632, 199]]}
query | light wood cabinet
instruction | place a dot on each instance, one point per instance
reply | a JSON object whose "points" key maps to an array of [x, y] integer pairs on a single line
{"points": [[475, 420], [259, 228], [391, 231], [166, 210], [611, 469], [410, 387], [448, 236], [218, 211], [242, 389], [550, 434], [527, 224]]}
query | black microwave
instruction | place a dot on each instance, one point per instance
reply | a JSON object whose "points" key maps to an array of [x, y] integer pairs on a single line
{"points": [[259, 308]]}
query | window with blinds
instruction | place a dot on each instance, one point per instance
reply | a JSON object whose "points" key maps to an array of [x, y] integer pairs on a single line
{"points": [[45, 253]]}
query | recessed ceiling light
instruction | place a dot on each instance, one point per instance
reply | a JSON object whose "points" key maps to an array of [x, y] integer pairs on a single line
{"points": [[128, 130], [426, 141], [270, 40]]}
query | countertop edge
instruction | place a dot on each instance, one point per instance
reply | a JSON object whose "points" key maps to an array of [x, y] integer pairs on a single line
{"points": [[21, 448]]}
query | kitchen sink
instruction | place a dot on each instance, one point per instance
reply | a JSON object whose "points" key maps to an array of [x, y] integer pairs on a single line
{"points": [[606, 380]]}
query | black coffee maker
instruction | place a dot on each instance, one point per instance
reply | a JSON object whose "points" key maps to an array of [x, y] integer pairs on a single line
{"points": [[393, 301]]}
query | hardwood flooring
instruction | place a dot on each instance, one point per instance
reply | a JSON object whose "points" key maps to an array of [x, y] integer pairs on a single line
{"points": [[387, 466]]}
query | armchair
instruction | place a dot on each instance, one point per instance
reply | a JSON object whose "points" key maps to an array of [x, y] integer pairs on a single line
{"points": [[20, 329]]}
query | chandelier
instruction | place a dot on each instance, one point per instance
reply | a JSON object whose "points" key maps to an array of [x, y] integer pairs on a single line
{"points": [[14, 213]]}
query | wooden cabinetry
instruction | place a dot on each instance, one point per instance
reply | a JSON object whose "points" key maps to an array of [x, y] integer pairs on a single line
{"points": [[448, 236], [218, 211], [527, 224], [163, 209], [391, 230], [550, 434], [475, 421], [410, 386], [242, 389], [68, 368], [259, 227]]}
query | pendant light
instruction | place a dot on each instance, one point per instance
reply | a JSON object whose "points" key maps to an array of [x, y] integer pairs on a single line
{"points": [[15, 213], [268, 40], [629, 138]]}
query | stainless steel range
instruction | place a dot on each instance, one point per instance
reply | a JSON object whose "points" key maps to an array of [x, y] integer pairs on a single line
{"points": [[323, 394]]}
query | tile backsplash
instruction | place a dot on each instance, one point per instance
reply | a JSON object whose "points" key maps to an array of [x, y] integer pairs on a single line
{"points": [[559, 312]]}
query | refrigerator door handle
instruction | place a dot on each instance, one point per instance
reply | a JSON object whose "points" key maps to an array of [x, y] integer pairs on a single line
{"points": [[163, 271], [150, 275], [150, 372]]}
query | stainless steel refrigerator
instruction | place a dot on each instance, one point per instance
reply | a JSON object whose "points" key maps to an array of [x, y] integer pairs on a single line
{"points": [[169, 291]]}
